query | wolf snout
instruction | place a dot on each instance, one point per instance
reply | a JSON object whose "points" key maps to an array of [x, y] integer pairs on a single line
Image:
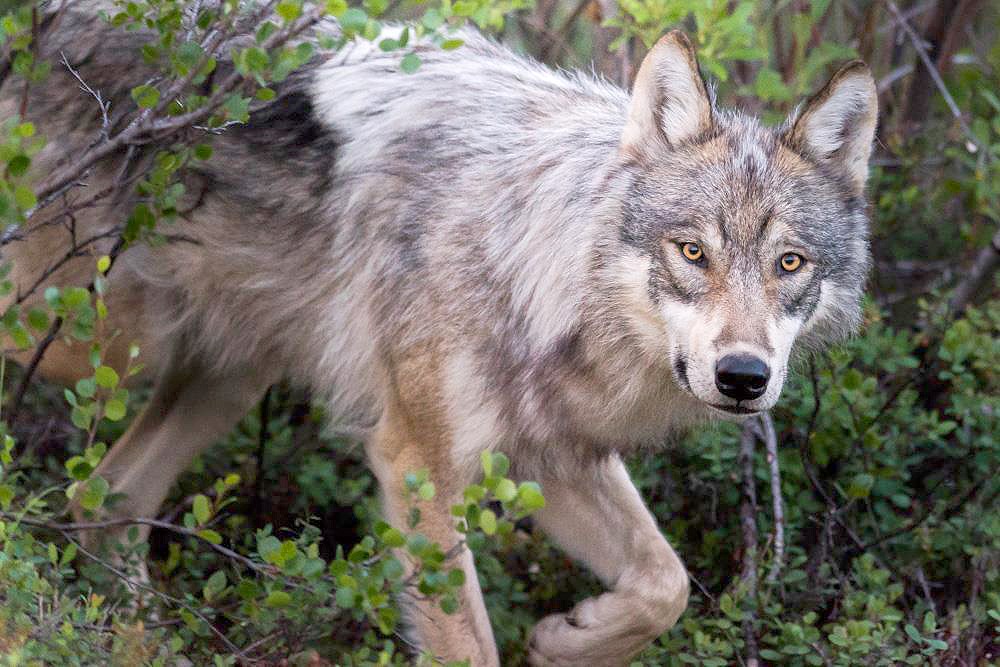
{"points": [[741, 376]]}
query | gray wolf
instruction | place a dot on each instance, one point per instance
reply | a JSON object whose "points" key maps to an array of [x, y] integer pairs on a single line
{"points": [[483, 255]]}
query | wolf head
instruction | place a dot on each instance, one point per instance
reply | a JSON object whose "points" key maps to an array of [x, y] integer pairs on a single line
{"points": [[749, 238]]}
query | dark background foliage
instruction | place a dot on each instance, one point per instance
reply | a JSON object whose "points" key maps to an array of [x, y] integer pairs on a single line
{"points": [[881, 548]]}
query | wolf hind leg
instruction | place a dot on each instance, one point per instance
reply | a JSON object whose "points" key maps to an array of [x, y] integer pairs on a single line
{"points": [[189, 410], [598, 517]]}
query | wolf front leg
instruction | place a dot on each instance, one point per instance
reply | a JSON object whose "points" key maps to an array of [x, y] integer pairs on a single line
{"points": [[398, 447], [597, 516]]}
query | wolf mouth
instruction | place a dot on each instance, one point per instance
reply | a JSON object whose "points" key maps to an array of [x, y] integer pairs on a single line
{"points": [[734, 409]]}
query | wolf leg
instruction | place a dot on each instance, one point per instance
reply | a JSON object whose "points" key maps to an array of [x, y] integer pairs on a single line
{"points": [[598, 517], [189, 410], [401, 445]]}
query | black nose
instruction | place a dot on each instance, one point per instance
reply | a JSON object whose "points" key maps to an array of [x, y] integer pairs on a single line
{"points": [[741, 376]]}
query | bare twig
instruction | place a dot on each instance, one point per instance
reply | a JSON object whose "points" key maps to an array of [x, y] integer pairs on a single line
{"points": [[748, 523], [771, 447], [75, 251], [84, 86], [982, 270], [147, 126], [558, 39], [262, 437], [925, 587], [932, 70], [139, 521], [952, 507], [160, 594]]}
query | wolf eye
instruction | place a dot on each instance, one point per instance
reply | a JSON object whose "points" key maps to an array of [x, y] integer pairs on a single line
{"points": [[790, 262], [692, 252]]}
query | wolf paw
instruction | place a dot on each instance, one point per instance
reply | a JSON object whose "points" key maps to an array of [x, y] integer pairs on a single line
{"points": [[564, 640]]}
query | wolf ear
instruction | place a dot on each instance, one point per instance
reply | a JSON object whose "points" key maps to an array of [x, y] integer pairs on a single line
{"points": [[670, 101], [837, 125]]}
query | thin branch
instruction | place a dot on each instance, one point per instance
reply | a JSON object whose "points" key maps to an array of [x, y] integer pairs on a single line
{"points": [[84, 86], [73, 252], [953, 506], [935, 75], [558, 41], [233, 648], [262, 437], [748, 523], [771, 447], [139, 521], [982, 270], [147, 127]]}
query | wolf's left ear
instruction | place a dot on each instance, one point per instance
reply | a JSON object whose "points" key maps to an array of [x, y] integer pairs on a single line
{"points": [[837, 125], [670, 101]]}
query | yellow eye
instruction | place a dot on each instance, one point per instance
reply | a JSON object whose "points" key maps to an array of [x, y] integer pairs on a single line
{"points": [[692, 252], [790, 262]]}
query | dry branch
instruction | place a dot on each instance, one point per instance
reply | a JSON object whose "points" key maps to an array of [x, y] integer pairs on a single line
{"points": [[933, 72], [982, 271], [150, 126], [771, 447], [748, 524]]}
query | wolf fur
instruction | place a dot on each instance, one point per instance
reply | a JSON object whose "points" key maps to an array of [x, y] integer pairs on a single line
{"points": [[483, 255]]}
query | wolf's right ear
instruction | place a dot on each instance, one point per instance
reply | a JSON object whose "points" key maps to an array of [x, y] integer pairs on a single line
{"points": [[670, 100]]}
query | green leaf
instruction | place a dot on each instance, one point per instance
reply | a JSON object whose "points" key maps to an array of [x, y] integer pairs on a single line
{"points": [[256, 59], [215, 585], [201, 509], [860, 486], [336, 7], [393, 538], [488, 522], [115, 410], [410, 63], [18, 164], [852, 380], [68, 554], [25, 198], [449, 604], [94, 492], [210, 535], [38, 319], [145, 96], [6, 495], [529, 495], [106, 377], [345, 598], [289, 11], [353, 20], [505, 490], [456, 577], [278, 599]]}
